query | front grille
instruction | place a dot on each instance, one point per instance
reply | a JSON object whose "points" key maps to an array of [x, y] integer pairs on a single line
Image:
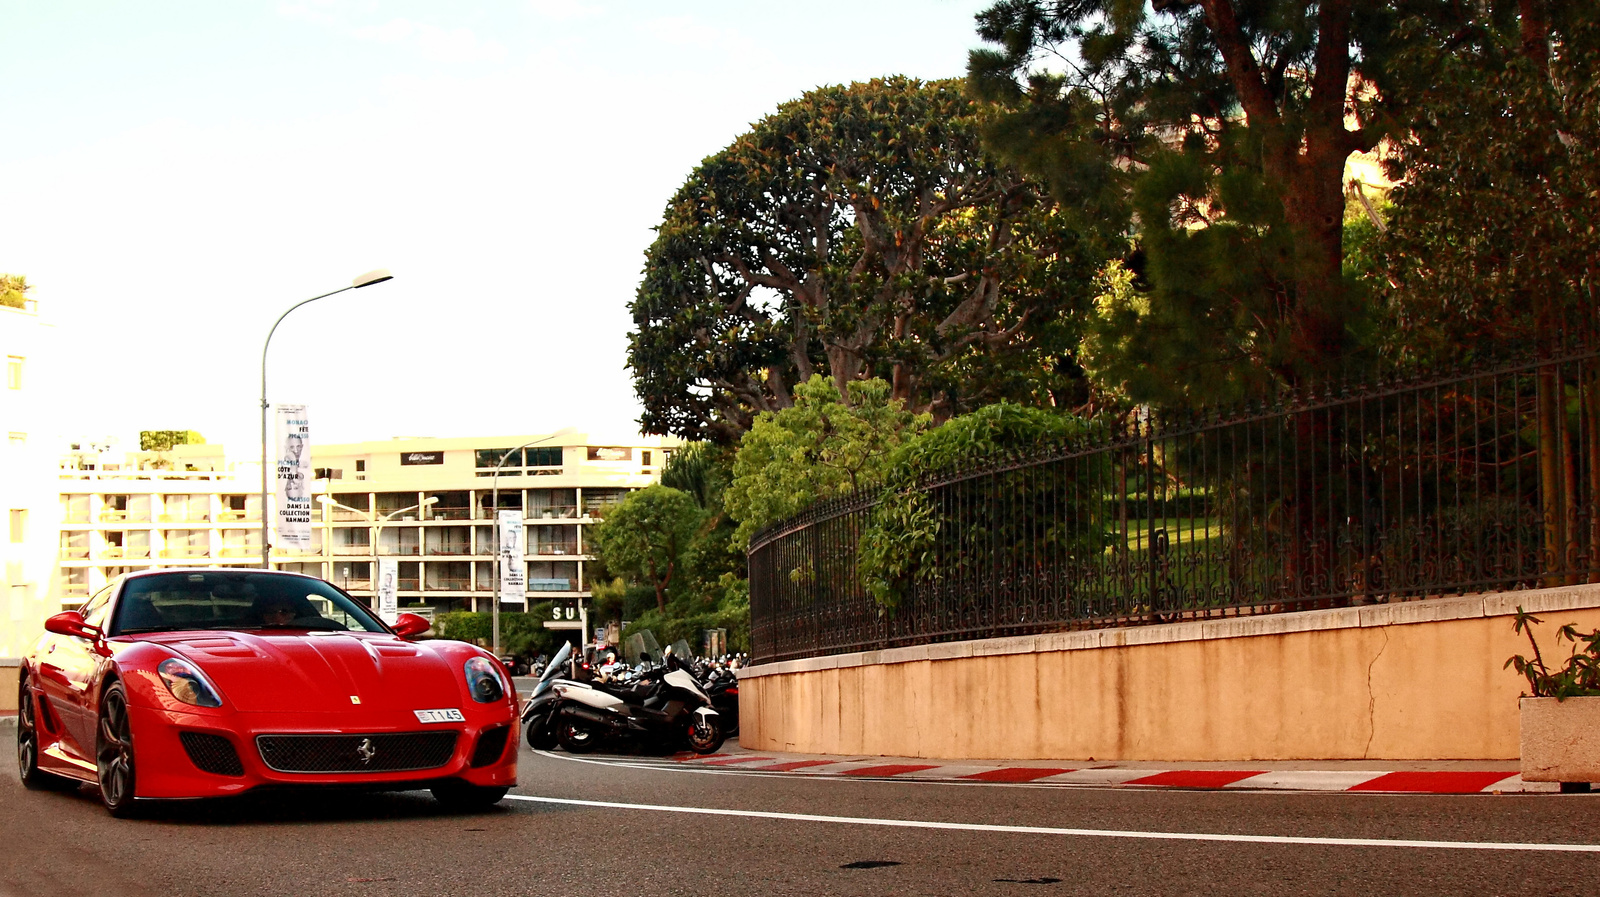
{"points": [[212, 753], [386, 752], [491, 744]]}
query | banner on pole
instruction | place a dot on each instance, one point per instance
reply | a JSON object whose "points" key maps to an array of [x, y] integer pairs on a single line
{"points": [[293, 514], [388, 590], [513, 572]]}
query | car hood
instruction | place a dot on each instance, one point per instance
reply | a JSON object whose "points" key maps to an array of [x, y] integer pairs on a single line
{"points": [[326, 672]]}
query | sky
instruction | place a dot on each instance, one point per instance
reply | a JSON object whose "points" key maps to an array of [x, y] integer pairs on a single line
{"points": [[176, 175]]}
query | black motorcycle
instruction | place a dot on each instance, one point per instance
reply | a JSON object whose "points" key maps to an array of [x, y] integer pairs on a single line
{"points": [[662, 704]]}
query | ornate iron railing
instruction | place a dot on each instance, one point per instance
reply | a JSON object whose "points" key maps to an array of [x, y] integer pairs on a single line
{"points": [[1463, 482]]}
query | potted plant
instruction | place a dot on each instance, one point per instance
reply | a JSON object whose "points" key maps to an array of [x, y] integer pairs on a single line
{"points": [[1560, 714]]}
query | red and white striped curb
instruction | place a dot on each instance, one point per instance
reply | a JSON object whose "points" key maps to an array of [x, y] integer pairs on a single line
{"points": [[1373, 780]]}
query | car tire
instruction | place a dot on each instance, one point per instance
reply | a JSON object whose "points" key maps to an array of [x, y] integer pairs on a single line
{"points": [[577, 736], [462, 797], [33, 778], [704, 735], [113, 753]]}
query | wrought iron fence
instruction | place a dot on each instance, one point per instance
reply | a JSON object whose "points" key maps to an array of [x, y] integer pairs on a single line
{"points": [[1469, 481]]}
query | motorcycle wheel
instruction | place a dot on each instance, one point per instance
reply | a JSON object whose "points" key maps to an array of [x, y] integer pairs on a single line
{"points": [[541, 737], [705, 735], [577, 736]]}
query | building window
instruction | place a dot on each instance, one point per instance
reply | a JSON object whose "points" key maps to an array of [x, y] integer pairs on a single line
{"points": [[361, 465], [19, 525], [14, 371], [644, 458], [544, 457]]}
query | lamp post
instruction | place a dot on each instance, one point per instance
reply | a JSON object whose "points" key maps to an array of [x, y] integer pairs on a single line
{"points": [[377, 524], [366, 280], [494, 485]]}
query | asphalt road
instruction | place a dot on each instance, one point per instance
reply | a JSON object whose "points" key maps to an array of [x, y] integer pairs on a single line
{"points": [[970, 839]]}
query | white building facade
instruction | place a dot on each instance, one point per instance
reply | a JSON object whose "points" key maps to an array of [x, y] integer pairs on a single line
{"points": [[427, 503], [27, 489]]}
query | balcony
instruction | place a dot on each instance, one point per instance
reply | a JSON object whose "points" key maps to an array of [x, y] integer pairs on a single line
{"points": [[554, 512], [440, 512], [186, 551], [552, 585], [232, 516], [560, 548], [72, 553], [238, 551], [359, 551], [448, 584], [111, 515], [185, 518]]}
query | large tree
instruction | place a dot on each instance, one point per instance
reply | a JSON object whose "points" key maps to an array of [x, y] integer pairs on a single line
{"points": [[646, 536], [858, 231], [1217, 130], [1495, 240]]}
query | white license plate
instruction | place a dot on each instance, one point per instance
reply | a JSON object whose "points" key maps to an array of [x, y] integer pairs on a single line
{"points": [[451, 715]]}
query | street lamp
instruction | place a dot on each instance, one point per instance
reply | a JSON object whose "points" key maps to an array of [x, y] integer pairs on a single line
{"points": [[366, 280], [377, 524], [494, 485]]}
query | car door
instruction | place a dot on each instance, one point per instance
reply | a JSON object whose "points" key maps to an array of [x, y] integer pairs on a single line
{"points": [[67, 668]]}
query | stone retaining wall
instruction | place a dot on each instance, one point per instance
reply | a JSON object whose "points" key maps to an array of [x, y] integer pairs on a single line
{"points": [[1410, 680]]}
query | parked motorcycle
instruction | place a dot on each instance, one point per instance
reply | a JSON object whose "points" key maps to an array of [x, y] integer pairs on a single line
{"points": [[663, 703], [539, 711], [722, 686]]}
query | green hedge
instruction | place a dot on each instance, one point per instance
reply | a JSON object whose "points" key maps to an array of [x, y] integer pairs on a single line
{"points": [[523, 634]]}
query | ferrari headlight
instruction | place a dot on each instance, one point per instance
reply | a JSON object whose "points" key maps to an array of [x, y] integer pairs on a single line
{"points": [[483, 680], [188, 684]]}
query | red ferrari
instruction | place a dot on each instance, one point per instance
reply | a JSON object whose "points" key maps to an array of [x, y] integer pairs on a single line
{"points": [[187, 683]]}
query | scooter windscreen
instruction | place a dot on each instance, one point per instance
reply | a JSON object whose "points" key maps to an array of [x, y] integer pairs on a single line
{"points": [[557, 664], [642, 647]]}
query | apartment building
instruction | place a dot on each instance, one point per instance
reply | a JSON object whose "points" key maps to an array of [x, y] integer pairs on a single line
{"points": [[429, 503], [27, 494]]}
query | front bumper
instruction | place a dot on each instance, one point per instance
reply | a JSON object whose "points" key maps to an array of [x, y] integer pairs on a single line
{"points": [[166, 769]]}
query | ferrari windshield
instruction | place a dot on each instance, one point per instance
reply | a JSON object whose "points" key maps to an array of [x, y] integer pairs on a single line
{"points": [[235, 599]]}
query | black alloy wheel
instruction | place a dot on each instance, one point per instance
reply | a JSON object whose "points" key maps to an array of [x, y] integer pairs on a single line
{"points": [[577, 736], [33, 778], [114, 753], [464, 797], [705, 734]]}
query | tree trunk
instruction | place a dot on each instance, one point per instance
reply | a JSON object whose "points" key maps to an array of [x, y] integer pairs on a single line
{"points": [[1550, 479]]}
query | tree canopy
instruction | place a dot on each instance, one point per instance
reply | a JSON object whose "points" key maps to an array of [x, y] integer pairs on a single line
{"points": [[164, 440], [645, 537], [1496, 221], [14, 291], [820, 447], [1217, 130], [859, 231]]}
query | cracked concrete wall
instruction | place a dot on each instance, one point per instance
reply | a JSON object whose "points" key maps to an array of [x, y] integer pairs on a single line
{"points": [[1414, 680]]}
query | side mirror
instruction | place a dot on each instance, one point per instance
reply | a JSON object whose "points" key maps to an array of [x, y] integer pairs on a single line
{"points": [[71, 623], [410, 624]]}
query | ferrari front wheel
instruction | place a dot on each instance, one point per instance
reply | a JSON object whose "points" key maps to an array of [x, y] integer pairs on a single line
{"points": [[33, 778], [114, 753]]}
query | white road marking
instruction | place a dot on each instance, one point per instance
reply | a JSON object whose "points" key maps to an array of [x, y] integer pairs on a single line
{"points": [[1071, 832]]}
